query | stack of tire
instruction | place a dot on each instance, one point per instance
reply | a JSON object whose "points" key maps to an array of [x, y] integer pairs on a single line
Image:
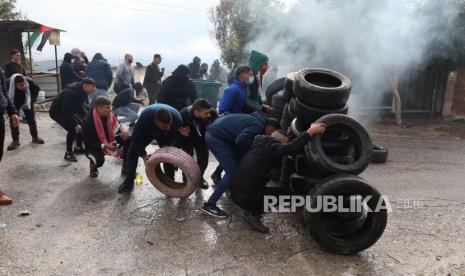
{"points": [[331, 163]]}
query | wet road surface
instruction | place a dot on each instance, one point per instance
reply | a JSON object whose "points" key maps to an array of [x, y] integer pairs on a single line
{"points": [[82, 226]]}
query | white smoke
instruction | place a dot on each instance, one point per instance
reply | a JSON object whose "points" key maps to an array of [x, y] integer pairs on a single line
{"points": [[369, 41]]}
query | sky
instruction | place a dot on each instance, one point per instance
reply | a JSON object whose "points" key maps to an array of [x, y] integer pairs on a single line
{"points": [[176, 29]]}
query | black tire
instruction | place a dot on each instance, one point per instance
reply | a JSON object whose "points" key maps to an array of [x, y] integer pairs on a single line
{"points": [[308, 114], [380, 154], [273, 88], [289, 86], [359, 138], [302, 185], [308, 169], [287, 169], [322, 88], [277, 104], [179, 159], [287, 118], [296, 127], [358, 237]]}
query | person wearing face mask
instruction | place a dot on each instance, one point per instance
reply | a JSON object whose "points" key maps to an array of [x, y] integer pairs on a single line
{"points": [[178, 90], [124, 74], [235, 95], [67, 73], [197, 118], [259, 64], [194, 68]]}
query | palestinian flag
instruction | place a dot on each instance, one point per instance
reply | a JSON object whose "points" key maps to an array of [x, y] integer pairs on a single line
{"points": [[45, 31]]}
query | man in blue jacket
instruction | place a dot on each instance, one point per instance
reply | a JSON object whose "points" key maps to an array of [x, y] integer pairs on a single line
{"points": [[229, 138], [235, 98], [159, 122]]}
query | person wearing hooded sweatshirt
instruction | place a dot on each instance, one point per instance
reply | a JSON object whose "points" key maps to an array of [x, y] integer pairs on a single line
{"points": [[69, 109], [259, 64], [23, 93], [67, 73], [178, 90], [99, 70], [8, 106], [194, 68], [80, 62]]}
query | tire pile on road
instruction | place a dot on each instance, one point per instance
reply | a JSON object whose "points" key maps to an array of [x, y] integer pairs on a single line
{"points": [[330, 163]]}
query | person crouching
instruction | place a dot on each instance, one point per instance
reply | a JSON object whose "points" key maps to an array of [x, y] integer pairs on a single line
{"points": [[248, 183], [102, 134]]}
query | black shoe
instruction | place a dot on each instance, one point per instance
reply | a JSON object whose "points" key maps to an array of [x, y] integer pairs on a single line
{"points": [[127, 186], [93, 170], [79, 150], [216, 177], [204, 184], [69, 156], [214, 211], [255, 222]]}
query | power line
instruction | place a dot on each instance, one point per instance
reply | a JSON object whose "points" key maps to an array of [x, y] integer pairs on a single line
{"points": [[134, 9], [166, 5]]}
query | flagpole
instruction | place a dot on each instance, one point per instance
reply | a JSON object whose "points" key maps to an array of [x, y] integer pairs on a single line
{"points": [[56, 69], [29, 46]]}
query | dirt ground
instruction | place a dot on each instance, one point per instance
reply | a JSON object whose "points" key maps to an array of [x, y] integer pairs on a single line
{"points": [[82, 226]]}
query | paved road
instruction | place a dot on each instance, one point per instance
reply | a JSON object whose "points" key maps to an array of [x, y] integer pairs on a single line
{"points": [[81, 226]]}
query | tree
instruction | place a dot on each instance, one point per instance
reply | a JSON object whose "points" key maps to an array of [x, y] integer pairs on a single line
{"points": [[8, 10], [235, 22]]}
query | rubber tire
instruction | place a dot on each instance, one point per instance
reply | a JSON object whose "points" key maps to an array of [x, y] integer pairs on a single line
{"points": [[289, 86], [366, 236], [380, 154], [358, 136], [309, 114], [277, 104], [179, 159], [286, 118], [273, 88], [333, 95], [302, 185]]}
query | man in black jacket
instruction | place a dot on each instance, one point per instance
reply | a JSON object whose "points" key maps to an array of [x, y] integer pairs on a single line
{"points": [[248, 183], [14, 65], [23, 93], [5, 105], [69, 109], [198, 117], [98, 146], [194, 68], [178, 90], [152, 79], [67, 73]]}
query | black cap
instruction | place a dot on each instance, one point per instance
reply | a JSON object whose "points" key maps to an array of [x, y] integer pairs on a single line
{"points": [[88, 81], [157, 56]]}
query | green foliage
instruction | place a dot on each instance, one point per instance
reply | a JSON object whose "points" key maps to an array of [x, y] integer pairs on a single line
{"points": [[235, 22], [8, 10]]}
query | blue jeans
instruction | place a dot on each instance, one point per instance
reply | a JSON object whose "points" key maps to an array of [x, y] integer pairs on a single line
{"points": [[99, 92], [130, 112], [226, 156]]}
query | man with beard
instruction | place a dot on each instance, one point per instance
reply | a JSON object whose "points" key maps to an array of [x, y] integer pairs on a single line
{"points": [[177, 90], [197, 118], [23, 93], [124, 74], [158, 122]]}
